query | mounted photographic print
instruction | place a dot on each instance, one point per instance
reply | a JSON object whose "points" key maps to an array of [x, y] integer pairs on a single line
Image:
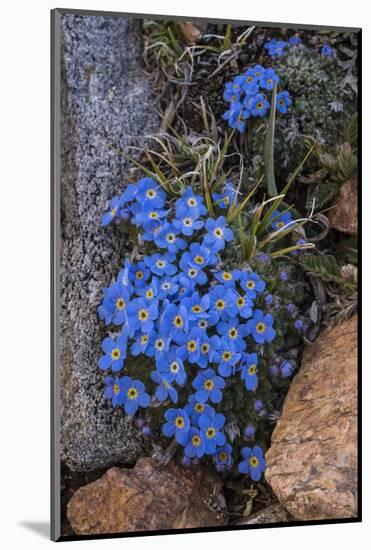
{"points": [[205, 186]]}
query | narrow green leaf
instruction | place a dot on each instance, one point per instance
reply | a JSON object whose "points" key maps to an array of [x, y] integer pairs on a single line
{"points": [[269, 148]]}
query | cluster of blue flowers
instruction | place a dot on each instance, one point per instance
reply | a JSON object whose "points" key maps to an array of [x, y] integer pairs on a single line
{"points": [[197, 321], [278, 48], [246, 95]]}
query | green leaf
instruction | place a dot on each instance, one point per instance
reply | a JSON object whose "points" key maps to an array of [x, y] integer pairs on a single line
{"points": [[269, 148]]}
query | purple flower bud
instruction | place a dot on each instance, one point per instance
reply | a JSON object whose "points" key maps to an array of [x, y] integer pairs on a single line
{"points": [[283, 276], [146, 430], [195, 461], [286, 369], [268, 299], [258, 405], [275, 370], [186, 461], [299, 325], [250, 431], [291, 308]]}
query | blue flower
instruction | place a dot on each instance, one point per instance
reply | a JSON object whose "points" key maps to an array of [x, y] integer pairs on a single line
{"points": [[233, 333], [269, 79], [194, 445], [226, 198], [223, 457], [227, 358], [294, 40], [161, 264], [140, 343], [128, 194], [252, 284], [198, 256], [253, 462], [228, 278], [150, 195], [280, 220], [138, 274], [175, 320], [221, 299], [299, 325], [164, 388], [141, 315], [275, 48], [250, 79], [217, 233], [195, 408], [115, 353], [115, 303], [197, 306], [327, 51], [208, 386], [283, 276], [172, 366], [190, 205], [283, 102], [207, 348], [158, 344], [249, 371], [259, 407], [188, 224], [134, 395], [189, 349], [260, 327], [150, 220], [236, 116], [113, 390], [150, 291], [109, 216], [177, 424], [211, 433], [192, 275], [168, 238], [168, 286], [259, 105], [242, 305]]}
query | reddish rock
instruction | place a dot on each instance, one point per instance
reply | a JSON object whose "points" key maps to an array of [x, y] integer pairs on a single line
{"points": [[344, 217], [148, 497], [275, 513], [312, 462]]}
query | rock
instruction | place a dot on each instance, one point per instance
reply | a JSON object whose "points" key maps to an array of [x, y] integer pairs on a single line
{"points": [[344, 217], [105, 100], [148, 497], [191, 32], [275, 513], [312, 462]]}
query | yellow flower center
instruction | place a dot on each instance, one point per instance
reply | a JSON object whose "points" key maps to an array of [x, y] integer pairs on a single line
{"points": [[192, 272], [170, 238], [259, 105], [260, 327], [223, 456], [174, 367], [226, 276], [209, 384], [160, 264], [199, 260], [252, 369], [280, 224], [149, 293], [187, 221], [151, 193], [143, 315], [218, 232], [254, 462], [144, 339], [196, 441], [179, 422], [192, 345], [113, 211], [132, 393], [199, 407], [210, 433], [227, 356], [192, 201], [159, 344], [250, 285], [120, 304], [241, 302], [139, 274], [153, 215], [196, 309], [202, 323], [178, 321], [115, 353], [220, 304], [233, 333], [116, 389], [205, 348]]}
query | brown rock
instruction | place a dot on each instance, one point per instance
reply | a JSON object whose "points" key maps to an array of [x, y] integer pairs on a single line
{"points": [[275, 513], [148, 497], [344, 217], [191, 32], [312, 462]]}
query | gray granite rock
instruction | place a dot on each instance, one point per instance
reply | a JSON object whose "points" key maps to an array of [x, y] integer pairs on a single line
{"points": [[105, 100]]}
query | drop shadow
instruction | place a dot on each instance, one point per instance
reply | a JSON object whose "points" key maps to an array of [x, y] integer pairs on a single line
{"points": [[41, 528]]}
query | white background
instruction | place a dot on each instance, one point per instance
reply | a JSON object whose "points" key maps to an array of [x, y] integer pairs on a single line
{"points": [[24, 318]]}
